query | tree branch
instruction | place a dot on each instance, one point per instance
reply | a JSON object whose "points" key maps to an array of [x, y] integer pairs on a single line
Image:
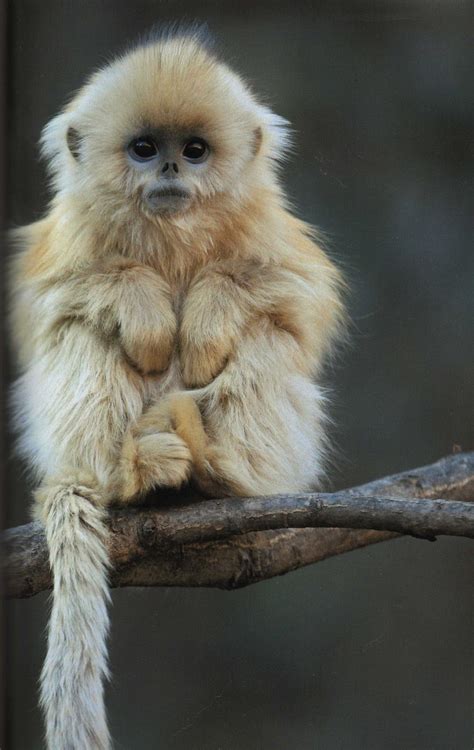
{"points": [[234, 542]]}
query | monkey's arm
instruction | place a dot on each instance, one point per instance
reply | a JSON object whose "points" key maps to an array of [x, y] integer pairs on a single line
{"points": [[226, 301], [122, 299]]}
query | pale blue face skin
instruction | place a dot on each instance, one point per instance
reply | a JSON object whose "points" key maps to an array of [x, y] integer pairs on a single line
{"points": [[168, 158]]}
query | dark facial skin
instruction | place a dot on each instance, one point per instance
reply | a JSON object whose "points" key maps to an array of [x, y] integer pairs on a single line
{"points": [[168, 158]]}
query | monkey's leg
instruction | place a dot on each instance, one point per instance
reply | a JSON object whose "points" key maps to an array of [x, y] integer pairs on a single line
{"points": [[258, 428], [250, 337], [76, 404], [264, 421]]}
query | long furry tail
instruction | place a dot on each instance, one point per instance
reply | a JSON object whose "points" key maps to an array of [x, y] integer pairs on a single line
{"points": [[76, 662]]}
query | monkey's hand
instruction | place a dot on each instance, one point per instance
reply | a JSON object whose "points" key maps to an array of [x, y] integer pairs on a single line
{"points": [[148, 340], [145, 318], [132, 303], [228, 299], [214, 313]]}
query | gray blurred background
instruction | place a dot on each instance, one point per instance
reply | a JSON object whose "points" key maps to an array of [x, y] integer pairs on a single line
{"points": [[373, 649]]}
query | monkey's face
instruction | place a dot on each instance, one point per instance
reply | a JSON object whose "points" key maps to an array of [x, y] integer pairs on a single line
{"points": [[188, 141], [169, 167], [166, 131], [169, 163]]}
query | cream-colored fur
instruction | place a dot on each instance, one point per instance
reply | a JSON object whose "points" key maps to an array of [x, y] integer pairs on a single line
{"points": [[155, 348]]}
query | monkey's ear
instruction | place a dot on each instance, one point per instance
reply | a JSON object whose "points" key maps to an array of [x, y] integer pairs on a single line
{"points": [[73, 140], [257, 140]]}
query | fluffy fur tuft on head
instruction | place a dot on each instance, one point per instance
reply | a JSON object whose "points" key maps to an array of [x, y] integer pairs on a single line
{"points": [[195, 31]]}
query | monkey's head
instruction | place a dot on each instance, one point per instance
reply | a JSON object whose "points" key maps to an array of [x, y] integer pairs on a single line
{"points": [[165, 130]]}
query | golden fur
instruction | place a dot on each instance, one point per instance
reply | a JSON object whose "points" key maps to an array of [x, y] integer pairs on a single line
{"points": [[158, 348]]}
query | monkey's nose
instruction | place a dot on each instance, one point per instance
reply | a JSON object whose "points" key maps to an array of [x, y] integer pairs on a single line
{"points": [[167, 165]]}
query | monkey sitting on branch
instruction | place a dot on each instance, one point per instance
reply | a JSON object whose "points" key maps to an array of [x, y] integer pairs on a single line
{"points": [[171, 318]]}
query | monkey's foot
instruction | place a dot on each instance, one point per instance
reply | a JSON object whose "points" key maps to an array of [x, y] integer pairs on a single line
{"points": [[161, 459]]}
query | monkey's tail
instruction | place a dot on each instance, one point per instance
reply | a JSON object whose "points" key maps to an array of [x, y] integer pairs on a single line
{"points": [[76, 662]]}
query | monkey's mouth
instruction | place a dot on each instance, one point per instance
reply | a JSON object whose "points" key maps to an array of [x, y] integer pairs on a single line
{"points": [[164, 192], [167, 199]]}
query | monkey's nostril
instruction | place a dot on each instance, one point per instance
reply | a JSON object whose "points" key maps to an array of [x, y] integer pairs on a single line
{"points": [[165, 168], [175, 167]]}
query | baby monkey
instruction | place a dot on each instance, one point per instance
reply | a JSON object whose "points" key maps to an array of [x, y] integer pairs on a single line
{"points": [[171, 317]]}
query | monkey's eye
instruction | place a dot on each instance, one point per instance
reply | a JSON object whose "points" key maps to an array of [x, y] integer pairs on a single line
{"points": [[196, 150], [142, 149]]}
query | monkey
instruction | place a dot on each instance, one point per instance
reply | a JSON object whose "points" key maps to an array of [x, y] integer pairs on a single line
{"points": [[171, 317]]}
